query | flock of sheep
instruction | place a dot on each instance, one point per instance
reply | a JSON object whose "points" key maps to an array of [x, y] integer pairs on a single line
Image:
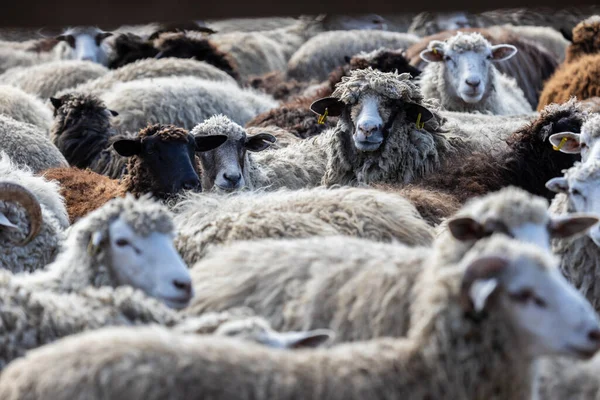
{"points": [[329, 207]]}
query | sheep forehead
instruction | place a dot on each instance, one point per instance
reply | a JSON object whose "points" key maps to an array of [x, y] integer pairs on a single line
{"points": [[593, 20], [514, 207], [81, 102], [463, 42], [386, 84], [583, 172], [219, 125], [165, 133]]}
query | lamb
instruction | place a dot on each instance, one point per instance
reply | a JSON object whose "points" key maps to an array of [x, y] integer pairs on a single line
{"points": [[204, 221], [575, 79], [351, 285], [182, 101], [28, 145], [491, 307], [161, 161], [151, 68], [587, 143], [45, 80], [579, 191], [86, 43], [585, 39], [316, 58], [24, 107], [461, 75]]}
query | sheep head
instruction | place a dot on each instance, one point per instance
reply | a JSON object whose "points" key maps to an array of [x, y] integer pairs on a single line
{"points": [[86, 43], [585, 38], [587, 142]]}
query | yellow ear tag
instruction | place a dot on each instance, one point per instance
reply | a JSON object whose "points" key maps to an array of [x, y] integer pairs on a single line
{"points": [[91, 250], [434, 50], [323, 117], [561, 144], [420, 125]]}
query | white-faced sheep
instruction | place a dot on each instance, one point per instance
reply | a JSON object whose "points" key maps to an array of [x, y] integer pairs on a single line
{"points": [[29, 145], [460, 74], [45, 80], [32, 219], [24, 107], [182, 101], [579, 191], [320, 55], [491, 316], [86, 43], [587, 143], [358, 288], [205, 221]]}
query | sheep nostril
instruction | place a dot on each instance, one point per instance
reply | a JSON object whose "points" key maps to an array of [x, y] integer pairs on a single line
{"points": [[233, 178], [190, 185], [473, 82], [594, 335], [183, 286]]}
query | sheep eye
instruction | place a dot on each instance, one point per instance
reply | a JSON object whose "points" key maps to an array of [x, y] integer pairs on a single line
{"points": [[522, 296], [122, 242], [583, 145], [575, 192], [447, 58]]}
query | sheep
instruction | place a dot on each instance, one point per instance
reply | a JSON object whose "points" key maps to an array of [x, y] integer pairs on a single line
{"points": [[584, 39], [182, 101], [28, 145], [250, 24], [530, 67], [151, 68], [86, 43], [547, 38], [205, 221], [492, 307], [339, 282], [45, 80], [461, 75], [428, 23], [575, 79], [587, 143], [579, 192], [161, 161], [316, 58], [528, 161], [592, 104], [24, 107]]}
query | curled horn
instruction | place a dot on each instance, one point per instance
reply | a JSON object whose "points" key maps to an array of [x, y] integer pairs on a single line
{"points": [[20, 195], [480, 269]]}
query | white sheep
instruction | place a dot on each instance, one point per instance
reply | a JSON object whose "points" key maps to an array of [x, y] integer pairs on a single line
{"points": [[587, 142], [86, 43], [478, 329], [29, 145], [579, 192], [181, 101], [24, 107], [461, 75], [45, 80]]}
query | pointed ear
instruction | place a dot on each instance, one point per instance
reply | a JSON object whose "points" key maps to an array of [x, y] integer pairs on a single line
{"points": [[571, 144], [569, 225], [334, 106], [434, 52], [113, 113], [567, 34], [558, 185], [501, 52], [205, 29], [207, 143], [101, 36], [465, 228], [479, 281], [259, 142], [128, 147], [297, 340], [413, 110], [56, 103]]}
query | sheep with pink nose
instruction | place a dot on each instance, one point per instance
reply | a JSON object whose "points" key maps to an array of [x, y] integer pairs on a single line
{"points": [[462, 76]]}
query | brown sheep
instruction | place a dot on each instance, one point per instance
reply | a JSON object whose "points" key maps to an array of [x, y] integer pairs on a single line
{"points": [[585, 39], [161, 161]]}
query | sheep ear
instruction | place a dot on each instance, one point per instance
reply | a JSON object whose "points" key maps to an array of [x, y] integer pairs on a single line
{"points": [[259, 142], [502, 52], [334, 106], [569, 225], [207, 143], [297, 340], [571, 144], [113, 113], [435, 53], [558, 185], [480, 281], [101, 36], [567, 34], [466, 228], [413, 110], [56, 103], [128, 147]]}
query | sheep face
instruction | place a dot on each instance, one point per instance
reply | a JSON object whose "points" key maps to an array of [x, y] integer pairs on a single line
{"points": [[165, 158], [149, 263], [86, 43], [587, 143], [581, 184], [466, 62], [526, 286]]}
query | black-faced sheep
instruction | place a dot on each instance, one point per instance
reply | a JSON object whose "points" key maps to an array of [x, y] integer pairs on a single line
{"points": [[478, 319]]}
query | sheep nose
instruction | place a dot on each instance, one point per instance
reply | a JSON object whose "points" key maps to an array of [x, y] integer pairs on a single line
{"points": [[594, 336], [184, 286], [368, 128], [191, 184], [473, 82], [87, 58], [232, 178]]}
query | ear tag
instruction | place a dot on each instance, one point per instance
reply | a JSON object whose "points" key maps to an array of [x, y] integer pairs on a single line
{"points": [[323, 117], [560, 145], [434, 51], [420, 125]]}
